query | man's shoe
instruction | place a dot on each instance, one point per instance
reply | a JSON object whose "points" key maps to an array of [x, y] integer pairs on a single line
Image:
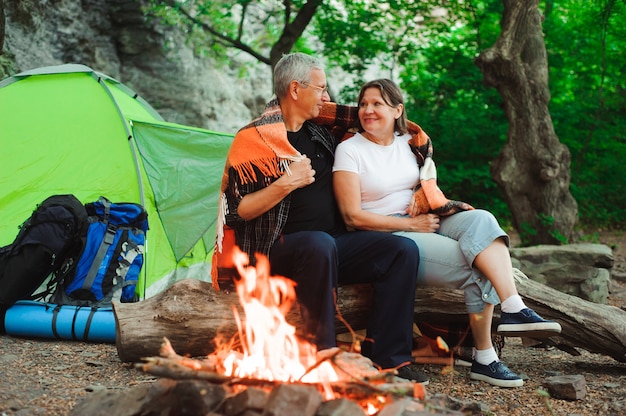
{"points": [[409, 373], [496, 374], [526, 323]]}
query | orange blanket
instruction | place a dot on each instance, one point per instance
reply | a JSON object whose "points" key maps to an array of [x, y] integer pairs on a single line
{"points": [[427, 195]]}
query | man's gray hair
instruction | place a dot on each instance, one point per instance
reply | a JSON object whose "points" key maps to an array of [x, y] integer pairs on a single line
{"points": [[294, 66]]}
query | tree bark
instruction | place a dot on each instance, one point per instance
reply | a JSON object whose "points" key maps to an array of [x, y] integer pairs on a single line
{"points": [[533, 168], [191, 314], [293, 29]]}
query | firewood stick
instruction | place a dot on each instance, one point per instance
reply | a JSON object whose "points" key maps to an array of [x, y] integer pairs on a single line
{"points": [[170, 368]]}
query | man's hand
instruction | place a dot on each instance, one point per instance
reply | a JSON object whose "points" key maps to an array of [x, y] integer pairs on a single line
{"points": [[257, 203], [300, 174]]}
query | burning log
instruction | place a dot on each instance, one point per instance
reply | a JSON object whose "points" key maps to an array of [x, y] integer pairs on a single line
{"points": [[360, 378], [191, 314]]}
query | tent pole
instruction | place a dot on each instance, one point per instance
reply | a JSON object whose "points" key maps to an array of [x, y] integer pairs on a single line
{"points": [[129, 136], [133, 147]]}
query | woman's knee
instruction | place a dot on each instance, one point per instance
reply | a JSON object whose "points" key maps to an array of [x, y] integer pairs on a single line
{"points": [[477, 226], [486, 217]]}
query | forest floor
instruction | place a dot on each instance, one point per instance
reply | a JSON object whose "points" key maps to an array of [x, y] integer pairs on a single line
{"points": [[48, 377]]}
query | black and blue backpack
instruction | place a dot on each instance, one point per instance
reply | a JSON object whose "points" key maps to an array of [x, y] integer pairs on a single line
{"points": [[111, 261], [72, 260], [48, 243]]}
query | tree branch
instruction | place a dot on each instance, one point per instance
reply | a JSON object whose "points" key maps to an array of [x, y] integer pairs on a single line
{"points": [[293, 30], [235, 43]]}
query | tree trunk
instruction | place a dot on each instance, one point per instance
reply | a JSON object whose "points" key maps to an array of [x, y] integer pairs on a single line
{"points": [[293, 29], [191, 314], [533, 168]]}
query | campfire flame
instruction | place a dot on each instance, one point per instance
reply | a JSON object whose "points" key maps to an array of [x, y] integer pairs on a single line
{"points": [[266, 350], [270, 348]]}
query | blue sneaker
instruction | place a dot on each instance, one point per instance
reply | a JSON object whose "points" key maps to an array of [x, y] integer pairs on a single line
{"points": [[526, 323], [496, 374]]}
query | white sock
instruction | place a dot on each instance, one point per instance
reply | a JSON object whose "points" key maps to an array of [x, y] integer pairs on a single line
{"points": [[512, 304], [486, 357]]}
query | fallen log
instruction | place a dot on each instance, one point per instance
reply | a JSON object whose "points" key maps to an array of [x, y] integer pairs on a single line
{"points": [[191, 314], [594, 327]]}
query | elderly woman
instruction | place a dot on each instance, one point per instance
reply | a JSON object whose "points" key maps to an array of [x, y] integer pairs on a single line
{"points": [[385, 180]]}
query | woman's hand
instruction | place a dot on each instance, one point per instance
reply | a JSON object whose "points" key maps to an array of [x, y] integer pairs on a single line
{"points": [[413, 209], [424, 223]]}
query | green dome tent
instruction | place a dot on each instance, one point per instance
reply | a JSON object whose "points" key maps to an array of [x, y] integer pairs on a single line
{"points": [[69, 129]]}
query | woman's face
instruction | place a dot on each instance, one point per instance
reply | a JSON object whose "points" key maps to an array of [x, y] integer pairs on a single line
{"points": [[376, 116]]}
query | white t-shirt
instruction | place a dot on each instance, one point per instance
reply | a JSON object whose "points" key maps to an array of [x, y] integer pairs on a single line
{"points": [[388, 173]]}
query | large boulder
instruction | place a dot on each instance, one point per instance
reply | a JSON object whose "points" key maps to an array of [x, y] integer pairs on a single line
{"points": [[582, 270]]}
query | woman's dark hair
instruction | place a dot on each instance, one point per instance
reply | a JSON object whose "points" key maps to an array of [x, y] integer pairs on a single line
{"points": [[392, 96]]}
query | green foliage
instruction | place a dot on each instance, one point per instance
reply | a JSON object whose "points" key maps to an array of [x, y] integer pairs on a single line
{"points": [[361, 34], [430, 53], [221, 28], [528, 231], [358, 33], [547, 221], [593, 238], [445, 95], [544, 395], [585, 42]]}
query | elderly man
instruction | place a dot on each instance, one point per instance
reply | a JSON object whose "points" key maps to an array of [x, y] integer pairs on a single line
{"points": [[278, 199]]}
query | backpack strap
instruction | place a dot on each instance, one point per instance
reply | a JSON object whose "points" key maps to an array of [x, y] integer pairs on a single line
{"points": [[87, 324], [92, 313], [130, 251], [55, 314]]}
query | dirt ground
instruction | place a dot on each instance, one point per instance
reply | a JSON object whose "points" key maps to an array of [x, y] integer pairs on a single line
{"points": [[48, 377]]}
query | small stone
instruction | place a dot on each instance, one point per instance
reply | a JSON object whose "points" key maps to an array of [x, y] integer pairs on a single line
{"points": [[569, 387], [250, 399], [8, 358], [95, 387], [94, 363], [293, 400], [339, 407]]}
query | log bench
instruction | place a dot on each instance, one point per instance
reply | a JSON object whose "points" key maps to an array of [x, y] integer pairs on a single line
{"points": [[191, 314]]}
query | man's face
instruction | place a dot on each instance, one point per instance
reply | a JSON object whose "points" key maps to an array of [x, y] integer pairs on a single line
{"points": [[312, 95]]}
